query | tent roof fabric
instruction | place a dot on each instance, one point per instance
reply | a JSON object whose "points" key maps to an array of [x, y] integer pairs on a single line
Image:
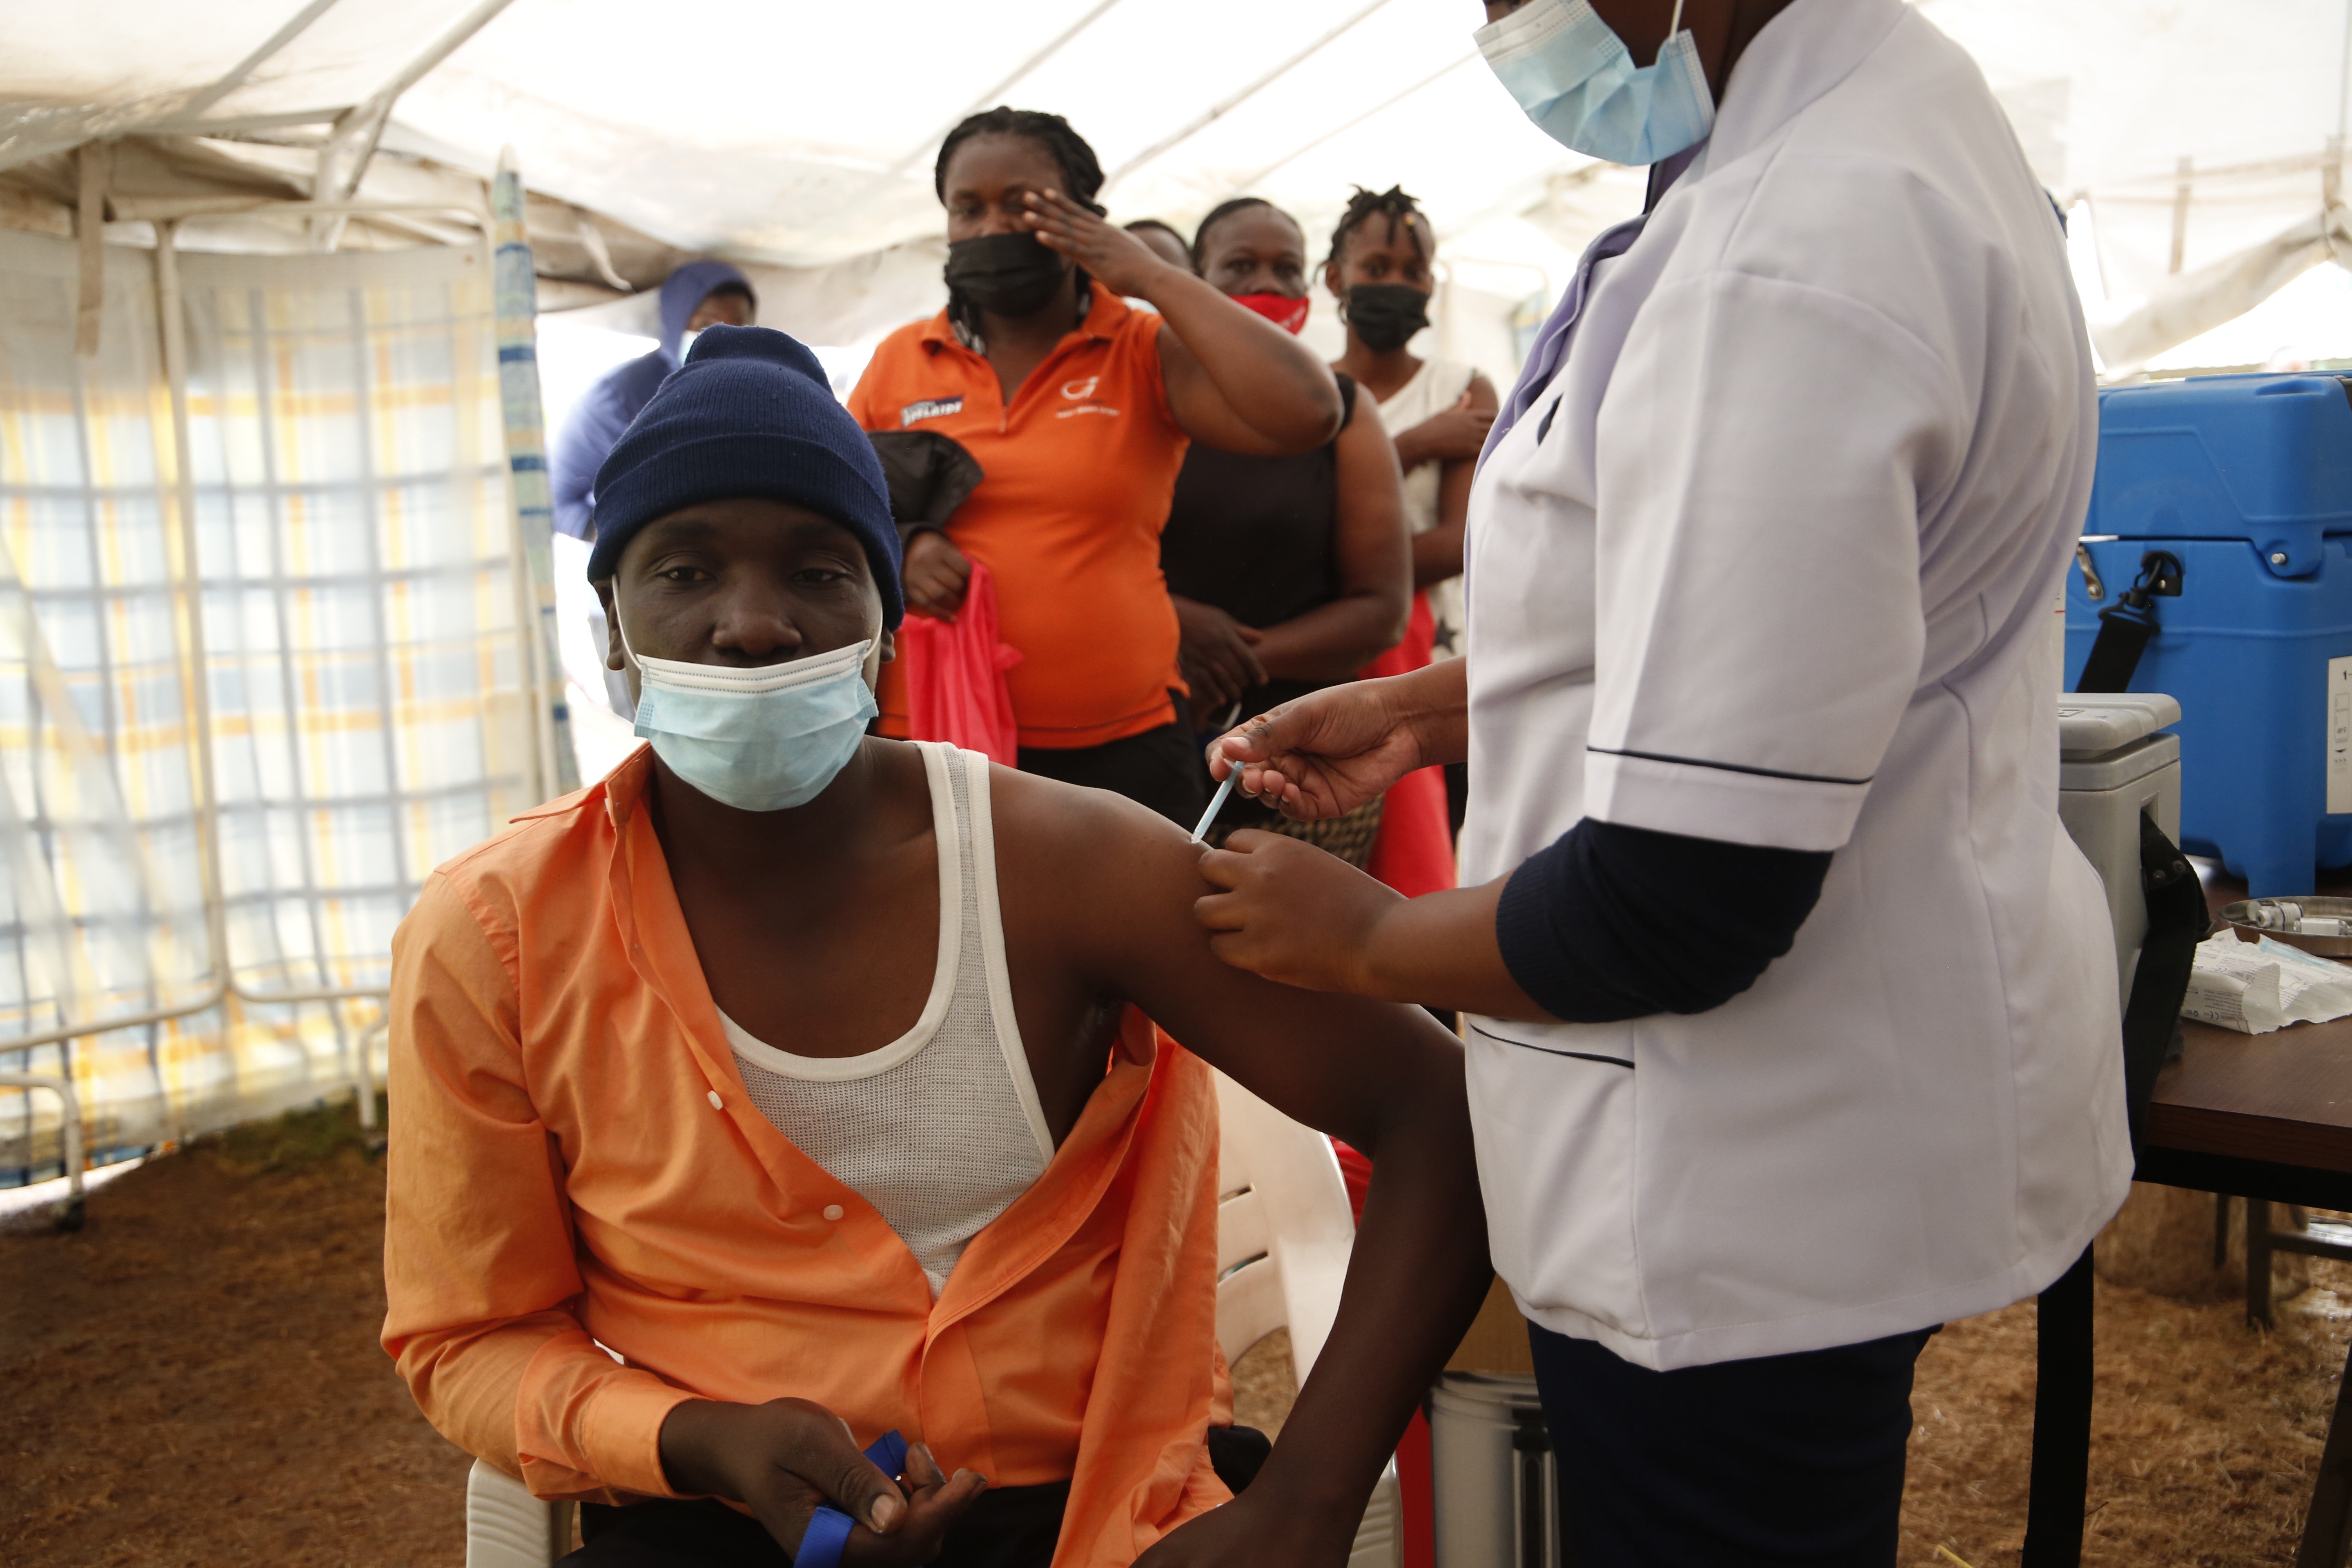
{"points": [[800, 135]]}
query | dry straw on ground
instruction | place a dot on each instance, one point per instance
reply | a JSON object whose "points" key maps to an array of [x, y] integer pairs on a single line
{"points": [[195, 1380]]}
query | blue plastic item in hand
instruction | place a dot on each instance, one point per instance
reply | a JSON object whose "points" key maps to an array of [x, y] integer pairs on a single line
{"points": [[828, 1530]]}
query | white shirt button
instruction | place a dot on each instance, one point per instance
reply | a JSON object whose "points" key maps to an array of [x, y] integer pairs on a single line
{"points": [[717, 1103], [833, 1211]]}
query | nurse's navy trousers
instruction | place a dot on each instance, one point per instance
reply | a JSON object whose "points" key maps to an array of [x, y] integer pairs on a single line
{"points": [[1786, 1461]]}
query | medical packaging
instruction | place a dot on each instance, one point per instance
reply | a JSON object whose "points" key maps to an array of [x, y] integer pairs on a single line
{"points": [[2246, 481], [2255, 987]]}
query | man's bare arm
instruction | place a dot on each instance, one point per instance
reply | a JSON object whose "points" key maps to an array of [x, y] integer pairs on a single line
{"points": [[1386, 1078]]}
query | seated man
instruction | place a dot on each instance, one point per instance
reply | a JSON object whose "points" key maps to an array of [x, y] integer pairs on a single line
{"points": [[710, 1165]]}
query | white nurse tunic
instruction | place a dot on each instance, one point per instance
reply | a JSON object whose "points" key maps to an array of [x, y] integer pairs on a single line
{"points": [[1772, 561]]}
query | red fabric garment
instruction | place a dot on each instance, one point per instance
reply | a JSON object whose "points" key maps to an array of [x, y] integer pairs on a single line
{"points": [[1355, 1174], [1284, 312], [955, 669], [1414, 851]]}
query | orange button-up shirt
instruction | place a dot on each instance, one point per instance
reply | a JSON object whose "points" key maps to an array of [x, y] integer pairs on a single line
{"points": [[1079, 471], [575, 1163]]}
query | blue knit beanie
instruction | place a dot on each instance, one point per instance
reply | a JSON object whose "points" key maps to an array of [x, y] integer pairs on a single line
{"points": [[749, 414]]}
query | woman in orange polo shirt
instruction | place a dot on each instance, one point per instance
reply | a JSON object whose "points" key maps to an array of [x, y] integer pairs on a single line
{"points": [[1079, 408]]}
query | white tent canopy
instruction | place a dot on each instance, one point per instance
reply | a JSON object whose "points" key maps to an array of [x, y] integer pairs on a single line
{"points": [[272, 532], [801, 135]]}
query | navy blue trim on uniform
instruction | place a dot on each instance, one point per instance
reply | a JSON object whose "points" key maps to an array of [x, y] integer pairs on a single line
{"points": [[1612, 922], [1727, 767], [1579, 1055]]}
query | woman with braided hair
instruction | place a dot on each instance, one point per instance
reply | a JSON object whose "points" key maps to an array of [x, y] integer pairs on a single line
{"points": [[1437, 410], [1077, 408]]}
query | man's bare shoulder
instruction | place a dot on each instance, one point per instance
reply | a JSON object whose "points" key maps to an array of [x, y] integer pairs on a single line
{"points": [[1089, 845]]}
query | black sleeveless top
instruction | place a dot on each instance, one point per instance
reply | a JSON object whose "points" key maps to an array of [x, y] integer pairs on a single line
{"points": [[1256, 538]]}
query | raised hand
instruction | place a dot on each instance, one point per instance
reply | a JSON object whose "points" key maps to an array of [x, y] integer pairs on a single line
{"points": [[1120, 262]]}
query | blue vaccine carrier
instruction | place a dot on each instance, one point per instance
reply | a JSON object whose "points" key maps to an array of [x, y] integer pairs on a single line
{"points": [[2245, 480]]}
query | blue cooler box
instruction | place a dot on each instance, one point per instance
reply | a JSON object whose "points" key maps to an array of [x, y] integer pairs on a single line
{"points": [[2247, 482]]}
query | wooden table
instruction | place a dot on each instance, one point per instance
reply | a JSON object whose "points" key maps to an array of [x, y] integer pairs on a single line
{"points": [[2269, 1118], [2262, 1116]]}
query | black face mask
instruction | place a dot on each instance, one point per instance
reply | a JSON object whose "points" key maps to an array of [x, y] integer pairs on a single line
{"points": [[1005, 274], [1386, 315]]}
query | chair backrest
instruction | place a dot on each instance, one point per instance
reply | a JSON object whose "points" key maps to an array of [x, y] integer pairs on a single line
{"points": [[1284, 1228], [1283, 1232]]}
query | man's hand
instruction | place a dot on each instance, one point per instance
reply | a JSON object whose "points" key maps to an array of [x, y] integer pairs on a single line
{"points": [[1455, 436], [1113, 257], [1293, 913], [1253, 1529], [1325, 753], [785, 1459], [1216, 654], [935, 575]]}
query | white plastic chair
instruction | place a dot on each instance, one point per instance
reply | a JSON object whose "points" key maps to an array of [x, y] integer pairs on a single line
{"points": [[506, 1527], [1283, 1232]]}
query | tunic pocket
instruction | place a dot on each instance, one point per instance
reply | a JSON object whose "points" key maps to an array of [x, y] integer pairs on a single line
{"points": [[1552, 1110]]}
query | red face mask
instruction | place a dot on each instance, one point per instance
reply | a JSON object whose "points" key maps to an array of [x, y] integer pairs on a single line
{"points": [[1284, 312]]}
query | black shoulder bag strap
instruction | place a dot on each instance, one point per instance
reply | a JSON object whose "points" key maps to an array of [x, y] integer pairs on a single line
{"points": [[2177, 922], [2125, 625]]}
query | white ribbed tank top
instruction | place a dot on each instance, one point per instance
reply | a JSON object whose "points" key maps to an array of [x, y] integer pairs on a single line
{"points": [[941, 1129]]}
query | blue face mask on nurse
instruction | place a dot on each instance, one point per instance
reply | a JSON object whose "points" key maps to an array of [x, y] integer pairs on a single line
{"points": [[1576, 79]]}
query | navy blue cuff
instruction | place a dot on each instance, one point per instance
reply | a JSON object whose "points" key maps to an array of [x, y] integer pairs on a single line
{"points": [[1614, 923]]}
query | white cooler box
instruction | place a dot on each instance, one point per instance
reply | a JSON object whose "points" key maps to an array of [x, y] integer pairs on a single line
{"points": [[2113, 767]]}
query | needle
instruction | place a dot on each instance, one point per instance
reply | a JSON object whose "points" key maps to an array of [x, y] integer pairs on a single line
{"points": [[1216, 804]]}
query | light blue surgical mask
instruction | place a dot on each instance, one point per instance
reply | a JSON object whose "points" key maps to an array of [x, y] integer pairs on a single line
{"points": [[1571, 73], [763, 739]]}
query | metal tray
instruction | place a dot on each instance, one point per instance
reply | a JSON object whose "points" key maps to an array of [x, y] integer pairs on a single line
{"points": [[2240, 917]]}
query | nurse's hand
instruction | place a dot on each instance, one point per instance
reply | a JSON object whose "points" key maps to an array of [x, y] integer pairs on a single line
{"points": [[1294, 914], [1332, 751]]}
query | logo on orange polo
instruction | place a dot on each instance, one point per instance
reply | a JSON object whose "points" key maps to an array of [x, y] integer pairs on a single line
{"points": [[1078, 392], [931, 408]]}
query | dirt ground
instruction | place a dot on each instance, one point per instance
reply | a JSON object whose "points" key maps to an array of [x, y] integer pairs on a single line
{"points": [[193, 1379]]}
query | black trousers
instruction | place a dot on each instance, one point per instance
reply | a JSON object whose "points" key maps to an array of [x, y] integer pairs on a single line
{"points": [[1777, 1462], [1160, 768], [1005, 1527]]}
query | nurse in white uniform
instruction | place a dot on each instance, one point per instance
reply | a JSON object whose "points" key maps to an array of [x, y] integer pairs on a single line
{"points": [[1791, 1010]]}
